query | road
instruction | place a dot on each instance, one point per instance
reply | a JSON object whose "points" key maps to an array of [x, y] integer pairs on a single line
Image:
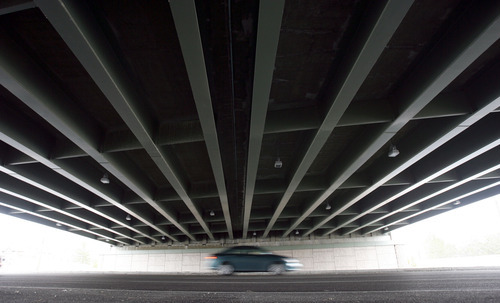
{"points": [[467, 285]]}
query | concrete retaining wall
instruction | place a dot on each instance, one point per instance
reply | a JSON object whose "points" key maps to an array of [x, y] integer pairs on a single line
{"points": [[324, 255]]}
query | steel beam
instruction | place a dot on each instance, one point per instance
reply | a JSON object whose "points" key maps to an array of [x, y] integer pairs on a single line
{"points": [[268, 32], [25, 139], [277, 121], [10, 202], [16, 6], [372, 40], [186, 24], [82, 35], [476, 168], [28, 82], [440, 68], [11, 187], [447, 158], [467, 198], [486, 99], [483, 189]]}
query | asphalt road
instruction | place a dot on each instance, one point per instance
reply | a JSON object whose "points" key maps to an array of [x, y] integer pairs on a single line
{"points": [[470, 285]]}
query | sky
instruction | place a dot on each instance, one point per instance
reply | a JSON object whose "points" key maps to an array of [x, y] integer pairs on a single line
{"points": [[458, 226], [18, 234], [32, 247], [468, 236]]}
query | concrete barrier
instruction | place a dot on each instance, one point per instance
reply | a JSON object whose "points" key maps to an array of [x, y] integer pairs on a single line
{"points": [[316, 255]]}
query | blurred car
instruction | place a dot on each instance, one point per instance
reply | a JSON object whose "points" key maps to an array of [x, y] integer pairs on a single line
{"points": [[251, 259]]}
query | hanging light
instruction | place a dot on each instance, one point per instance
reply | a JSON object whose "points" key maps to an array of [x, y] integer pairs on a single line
{"points": [[296, 232], [128, 217], [278, 163], [393, 152], [328, 206], [105, 179], [254, 233], [212, 213], [163, 238]]}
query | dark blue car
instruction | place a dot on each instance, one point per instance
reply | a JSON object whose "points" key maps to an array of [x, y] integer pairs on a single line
{"points": [[251, 259]]}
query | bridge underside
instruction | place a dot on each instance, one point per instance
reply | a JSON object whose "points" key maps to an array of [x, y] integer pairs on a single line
{"points": [[139, 122]]}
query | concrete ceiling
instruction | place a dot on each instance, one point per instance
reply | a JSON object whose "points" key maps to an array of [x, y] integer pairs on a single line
{"points": [[187, 105]]}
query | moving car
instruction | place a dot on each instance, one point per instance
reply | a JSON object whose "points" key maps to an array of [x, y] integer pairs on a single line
{"points": [[251, 259]]}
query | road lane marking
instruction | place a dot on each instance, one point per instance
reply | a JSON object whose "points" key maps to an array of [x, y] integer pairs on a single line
{"points": [[494, 290]]}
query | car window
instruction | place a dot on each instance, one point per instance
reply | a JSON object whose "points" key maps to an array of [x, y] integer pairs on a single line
{"points": [[237, 251], [258, 251], [247, 251]]}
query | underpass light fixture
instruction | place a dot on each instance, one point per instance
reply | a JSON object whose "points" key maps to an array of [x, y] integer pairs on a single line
{"points": [[278, 163], [105, 179], [163, 238], [254, 233], [212, 213], [296, 232], [128, 218], [393, 152], [328, 206], [457, 202]]}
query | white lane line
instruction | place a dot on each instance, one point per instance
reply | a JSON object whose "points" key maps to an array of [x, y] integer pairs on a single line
{"points": [[317, 281], [235, 281], [468, 290]]}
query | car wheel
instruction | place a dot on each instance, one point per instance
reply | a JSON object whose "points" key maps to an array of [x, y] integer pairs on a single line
{"points": [[225, 269], [276, 269]]}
